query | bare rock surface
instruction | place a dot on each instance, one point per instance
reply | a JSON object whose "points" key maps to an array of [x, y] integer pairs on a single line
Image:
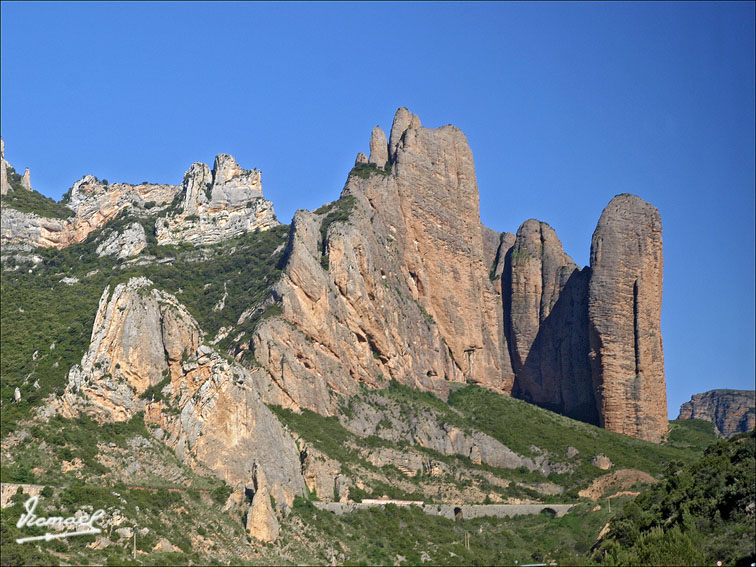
{"points": [[546, 321], [378, 148], [261, 521], [207, 409], [126, 244], [731, 411], [398, 287], [624, 307], [216, 204]]}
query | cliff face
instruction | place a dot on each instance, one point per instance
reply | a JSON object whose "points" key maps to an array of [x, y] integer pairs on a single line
{"points": [[547, 324], [216, 205], [731, 411], [147, 354], [210, 206], [624, 308], [391, 281], [398, 279]]}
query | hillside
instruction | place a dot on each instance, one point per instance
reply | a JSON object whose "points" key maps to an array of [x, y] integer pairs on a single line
{"points": [[174, 351], [701, 513]]}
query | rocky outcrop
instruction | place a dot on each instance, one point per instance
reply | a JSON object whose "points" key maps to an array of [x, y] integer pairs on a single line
{"points": [[379, 417], [94, 204], [261, 522], [126, 244], [624, 307], [546, 322], [731, 411], [147, 354], [389, 282], [4, 184], [378, 148], [216, 205]]}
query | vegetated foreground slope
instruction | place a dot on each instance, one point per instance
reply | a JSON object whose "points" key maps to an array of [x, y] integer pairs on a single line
{"points": [[701, 513]]}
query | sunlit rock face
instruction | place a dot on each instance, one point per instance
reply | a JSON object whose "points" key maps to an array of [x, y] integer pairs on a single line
{"points": [[398, 288], [217, 204], [624, 309], [147, 355]]}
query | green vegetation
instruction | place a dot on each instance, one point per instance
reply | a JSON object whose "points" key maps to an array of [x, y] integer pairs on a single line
{"points": [[503, 417], [379, 536], [365, 170], [43, 315], [338, 211], [701, 513], [21, 199]]}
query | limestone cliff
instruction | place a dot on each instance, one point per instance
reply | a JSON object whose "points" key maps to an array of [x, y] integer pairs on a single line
{"points": [[731, 411], [391, 281], [94, 204], [216, 205], [546, 320], [624, 308], [147, 354]]}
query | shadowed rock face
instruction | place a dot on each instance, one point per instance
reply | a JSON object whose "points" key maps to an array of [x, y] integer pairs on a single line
{"points": [[624, 308], [546, 320], [731, 411]]}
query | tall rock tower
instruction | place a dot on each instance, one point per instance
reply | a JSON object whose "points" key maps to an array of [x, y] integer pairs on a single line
{"points": [[624, 309]]}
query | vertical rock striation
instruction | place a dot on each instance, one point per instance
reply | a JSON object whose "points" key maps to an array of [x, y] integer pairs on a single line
{"points": [[391, 281], [547, 324], [624, 308]]}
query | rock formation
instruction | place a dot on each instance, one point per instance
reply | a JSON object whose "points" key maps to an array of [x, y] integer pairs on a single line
{"points": [[378, 148], [731, 411], [94, 204], [399, 279], [4, 185], [216, 205], [146, 354], [624, 307], [261, 522], [546, 322], [389, 282], [124, 244]]}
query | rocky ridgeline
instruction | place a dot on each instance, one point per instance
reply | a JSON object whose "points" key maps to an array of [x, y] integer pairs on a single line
{"points": [[411, 286], [398, 279], [217, 205], [211, 206], [731, 411], [147, 355]]}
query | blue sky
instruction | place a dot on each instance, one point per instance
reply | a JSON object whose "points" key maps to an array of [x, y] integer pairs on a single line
{"points": [[564, 105]]}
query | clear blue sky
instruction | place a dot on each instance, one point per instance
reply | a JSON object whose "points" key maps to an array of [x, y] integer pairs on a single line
{"points": [[564, 106]]}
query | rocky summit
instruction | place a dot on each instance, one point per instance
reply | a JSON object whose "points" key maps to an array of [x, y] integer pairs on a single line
{"points": [[731, 411], [385, 345]]}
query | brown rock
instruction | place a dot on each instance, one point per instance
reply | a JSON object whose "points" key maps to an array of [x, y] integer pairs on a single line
{"points": [[546, 319], [624, 306], [406, 293], [210, 412], [378, 148], [262, 523], [731, 411]]}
